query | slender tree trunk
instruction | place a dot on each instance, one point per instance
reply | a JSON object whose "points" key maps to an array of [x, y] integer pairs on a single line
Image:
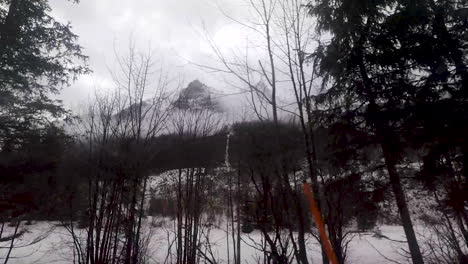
{"points": [[301, 237], [324, 255], [397, 188], [12, 242], [382, 131], [179, 217], [130, 223], [136, 253], [9, 29], [238, 252]]}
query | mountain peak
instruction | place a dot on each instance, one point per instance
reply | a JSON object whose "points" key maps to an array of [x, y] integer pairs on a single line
{"points": [[195, 89], [196, 96]]}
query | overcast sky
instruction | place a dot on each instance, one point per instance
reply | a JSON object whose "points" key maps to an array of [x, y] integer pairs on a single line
{"points": [[171, 28]]}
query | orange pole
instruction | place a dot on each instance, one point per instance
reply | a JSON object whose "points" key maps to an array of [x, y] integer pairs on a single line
{"points": [[321, 227]]}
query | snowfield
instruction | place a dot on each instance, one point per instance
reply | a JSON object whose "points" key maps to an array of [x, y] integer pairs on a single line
{"points": [[55, 247]]}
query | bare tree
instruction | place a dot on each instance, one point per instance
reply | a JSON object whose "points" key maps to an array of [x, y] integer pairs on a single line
{"points": [[279, 62], [194, 182], [120, 127]]}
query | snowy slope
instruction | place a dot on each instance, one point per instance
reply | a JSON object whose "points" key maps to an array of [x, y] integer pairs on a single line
{"points": [[55, 248]]}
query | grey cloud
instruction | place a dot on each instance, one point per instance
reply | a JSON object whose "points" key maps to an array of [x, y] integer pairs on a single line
{"points": [[169, 27]]}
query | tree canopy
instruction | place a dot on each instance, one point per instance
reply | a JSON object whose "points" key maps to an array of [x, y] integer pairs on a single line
{"points": [[39, 56]]}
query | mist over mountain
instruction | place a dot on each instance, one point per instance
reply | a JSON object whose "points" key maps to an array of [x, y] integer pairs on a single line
{"points": [[197, 96], [236, 106]]}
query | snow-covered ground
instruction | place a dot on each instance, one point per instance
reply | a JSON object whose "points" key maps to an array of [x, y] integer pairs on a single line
{"points": [[55, 247]]}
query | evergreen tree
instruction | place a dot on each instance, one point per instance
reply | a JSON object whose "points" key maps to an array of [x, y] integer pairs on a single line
{"points": [[39, 55], [385, 63]]}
